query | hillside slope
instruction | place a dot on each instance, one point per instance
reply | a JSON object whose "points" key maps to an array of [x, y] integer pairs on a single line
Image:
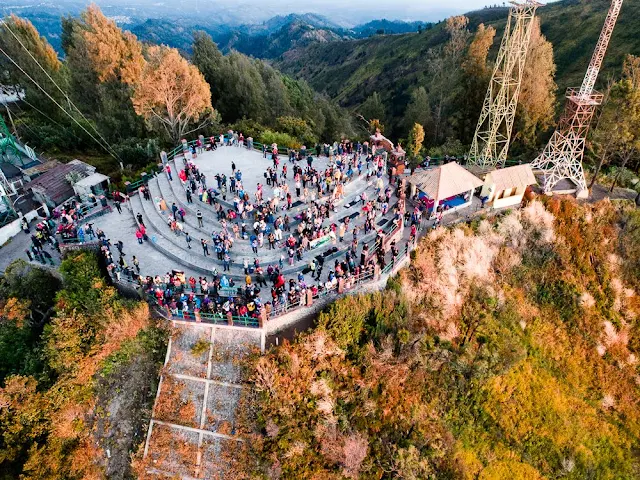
{"points": [[506, 350], [392, 65]]}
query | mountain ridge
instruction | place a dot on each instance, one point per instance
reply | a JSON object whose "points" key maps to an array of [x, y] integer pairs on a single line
{"points": [[395, 65]]}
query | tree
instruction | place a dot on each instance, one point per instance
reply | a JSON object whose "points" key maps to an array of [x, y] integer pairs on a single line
{"points": [[444, 66], [24, 418], [538, 90], [104, 64], [416, 137], [474, 81], [172, 93], [631, 70], [627, 134], [373, 108], [617, 133], [113, 53], [21, 41], [418, 110], [34, 285]]}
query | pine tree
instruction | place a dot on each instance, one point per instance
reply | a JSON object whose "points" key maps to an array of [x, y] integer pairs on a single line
{"points": [[538, 91], [373, 109], [418, 110]]}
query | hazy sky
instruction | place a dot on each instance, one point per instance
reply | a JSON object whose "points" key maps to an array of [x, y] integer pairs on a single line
{"points": [[353, 11], [249, 11], [343, 12]]}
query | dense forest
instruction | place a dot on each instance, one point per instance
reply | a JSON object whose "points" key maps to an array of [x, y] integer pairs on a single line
{"points": [[79, 368], [508, 349], [115, 101], [103, 102]]}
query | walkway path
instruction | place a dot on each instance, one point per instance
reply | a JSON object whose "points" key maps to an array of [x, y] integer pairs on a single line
{"points": [[192, 432]]}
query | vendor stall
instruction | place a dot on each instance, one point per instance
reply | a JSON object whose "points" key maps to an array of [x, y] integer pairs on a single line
{"points": [[94, 185], [445, 189]]}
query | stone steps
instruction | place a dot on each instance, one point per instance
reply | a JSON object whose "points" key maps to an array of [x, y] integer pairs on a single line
{"points": [[190, 219], [205, 265], [181, 256], [173, 191]]}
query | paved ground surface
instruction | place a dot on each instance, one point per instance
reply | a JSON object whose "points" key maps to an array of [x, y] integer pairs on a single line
{"points": [[192, 433]]}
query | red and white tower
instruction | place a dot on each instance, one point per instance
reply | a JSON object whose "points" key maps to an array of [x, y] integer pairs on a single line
{"points": [[562, 157]]}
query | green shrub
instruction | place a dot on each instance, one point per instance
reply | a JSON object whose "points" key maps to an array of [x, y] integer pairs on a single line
{"points": [[248, 127], [137, 152], [282, 139], [200, 347]]}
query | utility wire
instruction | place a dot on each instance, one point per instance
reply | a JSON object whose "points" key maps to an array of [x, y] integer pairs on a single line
{"points": [[59, 106], [6, 25]]}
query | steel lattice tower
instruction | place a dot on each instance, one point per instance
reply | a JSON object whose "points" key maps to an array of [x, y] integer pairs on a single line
{"points": [[562, 157], [493, 133]]}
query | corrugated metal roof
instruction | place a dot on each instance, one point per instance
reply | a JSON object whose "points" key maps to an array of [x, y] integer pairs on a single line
{"points": [[512, 177], [445, 181], [54, 184]]}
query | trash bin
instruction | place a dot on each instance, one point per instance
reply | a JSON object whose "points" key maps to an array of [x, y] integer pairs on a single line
{"points": [[103, 200]]}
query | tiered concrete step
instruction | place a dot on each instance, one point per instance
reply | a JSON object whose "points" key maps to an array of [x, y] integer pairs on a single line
{"points": [[182, 256], [173, 191], [159, 188], [352, 190]]}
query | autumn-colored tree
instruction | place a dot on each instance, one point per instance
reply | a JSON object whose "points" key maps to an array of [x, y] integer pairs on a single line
{"points": [[538, 89], [474, 81], [631, 70], [114, 54], [375, 126], [172, 93], [24, 416], [416, 137], [104, 63], [476, 59]]}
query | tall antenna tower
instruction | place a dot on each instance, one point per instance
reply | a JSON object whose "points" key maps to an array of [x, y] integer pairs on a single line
{"points": [[562, 157], [493, 133]]}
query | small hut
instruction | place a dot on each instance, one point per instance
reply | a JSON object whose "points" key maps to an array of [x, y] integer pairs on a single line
{"points": [[397, 159], [379, 141], [505, 187], [446, 188]]}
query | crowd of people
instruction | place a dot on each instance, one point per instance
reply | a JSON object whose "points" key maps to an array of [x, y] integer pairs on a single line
{"points": [[290, 218], [268, 292], [292, 213]]}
